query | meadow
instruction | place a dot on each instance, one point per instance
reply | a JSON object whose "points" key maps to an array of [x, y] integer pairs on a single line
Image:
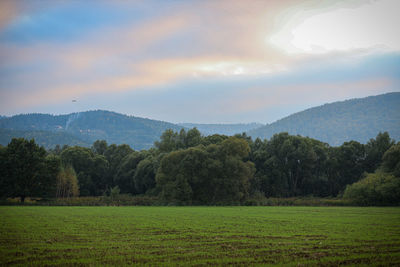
{"points": [[196, 236]]}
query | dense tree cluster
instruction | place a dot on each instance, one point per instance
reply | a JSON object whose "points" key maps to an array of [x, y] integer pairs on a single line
{"points": [[26, 170], [187, 168], [381, 187], [213, 174]]}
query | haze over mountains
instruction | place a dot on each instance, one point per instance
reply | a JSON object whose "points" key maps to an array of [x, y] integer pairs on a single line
{"points": [[226, 129], [355, 119], [335, 123]]}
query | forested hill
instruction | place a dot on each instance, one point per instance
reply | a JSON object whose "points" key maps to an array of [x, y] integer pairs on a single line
{"points": [[335, 123], [47, 139], [85, 128], [226, 129], [356, 119]]}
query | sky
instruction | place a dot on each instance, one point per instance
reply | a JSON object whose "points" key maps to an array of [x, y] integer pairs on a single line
{"points": [[195, 61]]}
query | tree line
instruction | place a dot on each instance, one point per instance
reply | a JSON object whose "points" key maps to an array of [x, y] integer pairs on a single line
{"points": [[186, 168]]}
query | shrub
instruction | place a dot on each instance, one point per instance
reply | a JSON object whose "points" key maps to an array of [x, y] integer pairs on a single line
{"points": [[375, 189]]}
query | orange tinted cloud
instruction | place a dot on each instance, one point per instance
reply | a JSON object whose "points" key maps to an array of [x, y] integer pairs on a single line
{"points": [[8, 11], [222, 38]]}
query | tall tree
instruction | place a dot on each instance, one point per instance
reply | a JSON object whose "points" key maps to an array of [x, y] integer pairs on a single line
{"points": [[215, 174], [115, 155], [91, 170], [145, 173], [391, 160], [27, 172], [286, 165], [81, 159], [375, 149], [67, 183], [168, 141], [99, 147], [124, 177]]}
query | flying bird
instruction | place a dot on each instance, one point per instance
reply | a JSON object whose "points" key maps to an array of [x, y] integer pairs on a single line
{"points": [[73, 100]]}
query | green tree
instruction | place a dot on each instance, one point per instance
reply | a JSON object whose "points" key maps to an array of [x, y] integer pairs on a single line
{"points": [[375, 149], [232, 171], [92, 170], [3, 172], [375, 189], [145, 173], [100, 147], [171, 141], [114, 192], [168, 141], [391, 160], [67, 183], [81, 160], [213, 139], [286, 165], [348, 165], [115, 155], [216, 174], [193, 138], [28, 172], [124, 177]]}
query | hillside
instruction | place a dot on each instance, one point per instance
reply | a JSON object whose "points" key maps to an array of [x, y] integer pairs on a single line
{"points": [[88, 127], [226, 129], [47, 139], [334, 123]]}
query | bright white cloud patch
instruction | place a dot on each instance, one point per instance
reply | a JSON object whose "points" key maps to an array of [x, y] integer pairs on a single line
{"points": [[371, 25]]}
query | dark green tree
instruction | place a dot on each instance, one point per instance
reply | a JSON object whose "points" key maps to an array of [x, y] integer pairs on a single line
{"points": [[124, 177], [216, 174], [375, 189], [391, 160], [346, 165], [145, 173], [115, 155], [168, 141], [193, 138], [28, 172], [3, 172], [375, 149], [287, 165], [213, 139], [91, 170], [233, 171], [100, 147]]}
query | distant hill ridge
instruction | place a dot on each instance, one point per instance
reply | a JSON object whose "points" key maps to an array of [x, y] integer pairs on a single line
{"points": [[46, 139], [356, 119], [334, 123], [226, 129], [90, 126]]}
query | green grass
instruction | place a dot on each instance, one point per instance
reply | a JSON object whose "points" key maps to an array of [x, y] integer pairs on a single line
{"points": [[158, 236]]}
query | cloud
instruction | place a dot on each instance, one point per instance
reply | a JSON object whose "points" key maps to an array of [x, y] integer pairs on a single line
{"points": [[158, 46], [8, 11], [368, 24], [12, 10]]}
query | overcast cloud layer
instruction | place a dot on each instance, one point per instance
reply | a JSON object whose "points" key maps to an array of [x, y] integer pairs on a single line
{"points": [[195, 61]]}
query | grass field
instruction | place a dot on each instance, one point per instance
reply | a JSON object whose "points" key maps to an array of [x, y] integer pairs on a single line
{"points": [[326, 236]]}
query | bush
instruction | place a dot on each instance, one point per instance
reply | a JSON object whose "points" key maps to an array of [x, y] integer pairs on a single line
{"points": [[375, 189]]}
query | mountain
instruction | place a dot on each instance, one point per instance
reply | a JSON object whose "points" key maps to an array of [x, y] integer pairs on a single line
{"points": [[334, 123], [86, 127], [356, 119], [47, 139], [226, 129]]}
